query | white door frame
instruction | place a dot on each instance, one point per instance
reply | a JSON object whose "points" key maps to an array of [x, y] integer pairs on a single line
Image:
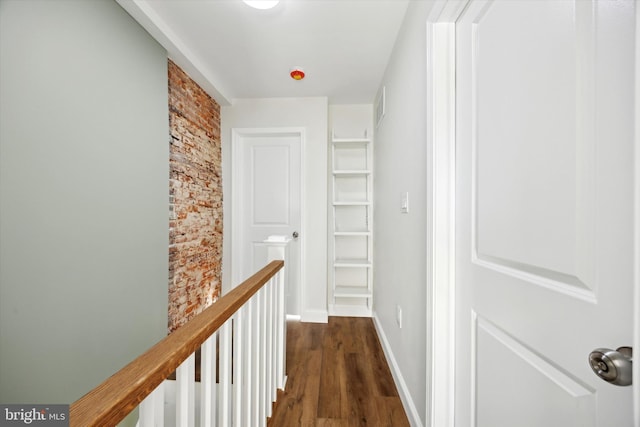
{"points": [[237, 135], [441, 215], [636, 226], [441, 284]]}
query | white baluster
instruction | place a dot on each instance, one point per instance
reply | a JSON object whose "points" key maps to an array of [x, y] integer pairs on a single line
{"points": [[238, 368], [185, 392], [276, 335], [257, 310], [282, 330], [263, 358], [247, 395], [152, 409], [270, 348], [276, 324], [225, 375], [208, 386]]}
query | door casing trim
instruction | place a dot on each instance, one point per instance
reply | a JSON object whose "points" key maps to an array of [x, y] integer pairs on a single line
{"points": [[440, 34]]}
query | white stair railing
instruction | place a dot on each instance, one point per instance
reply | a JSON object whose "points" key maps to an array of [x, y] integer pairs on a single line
{"points": [[242, 339]]}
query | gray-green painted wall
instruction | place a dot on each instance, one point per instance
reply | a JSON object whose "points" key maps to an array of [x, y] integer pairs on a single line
{"points": [[83, 196]]}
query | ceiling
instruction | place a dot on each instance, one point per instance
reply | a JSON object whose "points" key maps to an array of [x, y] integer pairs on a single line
{"points": [[234, 51]]}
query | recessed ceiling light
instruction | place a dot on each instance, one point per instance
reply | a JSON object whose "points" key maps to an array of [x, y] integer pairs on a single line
{"points": [[262, 4]]}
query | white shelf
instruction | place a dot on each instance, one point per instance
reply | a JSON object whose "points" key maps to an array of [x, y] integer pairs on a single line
{"points": [[351, 232], [351, 140], [352, 203], [352, 263], [351, 172], [352, 292]]}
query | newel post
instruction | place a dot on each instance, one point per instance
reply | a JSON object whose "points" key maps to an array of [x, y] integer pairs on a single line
{"points": [[278, 249]]}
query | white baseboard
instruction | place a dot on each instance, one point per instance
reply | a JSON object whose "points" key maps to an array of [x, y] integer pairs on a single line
{"points": [[315, 316], [405, 396], [349, 310]]}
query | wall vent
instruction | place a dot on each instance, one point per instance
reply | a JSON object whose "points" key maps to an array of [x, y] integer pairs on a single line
{"points": [[380, 106]]}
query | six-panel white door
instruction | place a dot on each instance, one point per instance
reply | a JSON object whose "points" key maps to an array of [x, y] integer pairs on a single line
{"points": [[544, 205]]}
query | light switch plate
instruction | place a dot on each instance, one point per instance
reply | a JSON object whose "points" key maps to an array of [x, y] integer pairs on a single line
{"points": [[404, 205]]}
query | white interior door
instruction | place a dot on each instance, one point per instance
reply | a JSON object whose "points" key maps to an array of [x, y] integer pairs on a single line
{"points": [[269, 170], [544, 210]]}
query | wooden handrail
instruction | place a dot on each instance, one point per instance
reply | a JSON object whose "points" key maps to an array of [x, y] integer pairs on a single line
{"points": [[110, 402]]}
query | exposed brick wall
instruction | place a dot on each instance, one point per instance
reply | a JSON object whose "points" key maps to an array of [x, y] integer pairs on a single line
{"points": [[195, 188]]}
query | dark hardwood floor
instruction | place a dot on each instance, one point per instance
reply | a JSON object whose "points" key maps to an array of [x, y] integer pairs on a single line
{"points": [[337, 376]]}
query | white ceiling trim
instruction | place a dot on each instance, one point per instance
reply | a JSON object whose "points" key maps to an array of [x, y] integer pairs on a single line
{"points": [[177, 50]]}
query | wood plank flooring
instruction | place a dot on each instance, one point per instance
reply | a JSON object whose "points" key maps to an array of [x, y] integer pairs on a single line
{"points": [[337, 377]]}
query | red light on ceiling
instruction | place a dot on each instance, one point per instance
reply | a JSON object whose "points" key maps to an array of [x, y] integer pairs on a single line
{"points": [[297, 74]]}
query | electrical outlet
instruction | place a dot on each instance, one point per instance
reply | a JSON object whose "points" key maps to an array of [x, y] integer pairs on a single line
{"points": [[399, 316]]}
